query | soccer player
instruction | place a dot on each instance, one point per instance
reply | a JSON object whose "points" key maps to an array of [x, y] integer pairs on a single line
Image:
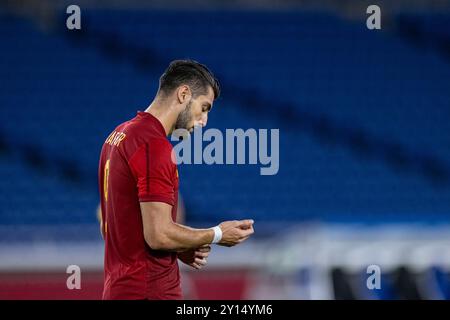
{"points": [[138, 181]]}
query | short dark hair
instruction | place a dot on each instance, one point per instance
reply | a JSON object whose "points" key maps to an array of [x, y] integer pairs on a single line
{"points": [[189, 72]]}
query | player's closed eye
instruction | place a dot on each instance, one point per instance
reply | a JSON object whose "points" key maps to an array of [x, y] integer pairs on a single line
{"points": [[206, 107]]}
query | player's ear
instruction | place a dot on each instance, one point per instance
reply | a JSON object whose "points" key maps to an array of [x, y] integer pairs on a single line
{"points": [[184, 94]]}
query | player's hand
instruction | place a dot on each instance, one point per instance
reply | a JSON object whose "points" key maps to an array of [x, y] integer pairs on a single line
{"points": [[196, 258], [235, 232]]}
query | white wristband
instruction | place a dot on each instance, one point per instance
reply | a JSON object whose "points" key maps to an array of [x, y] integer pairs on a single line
{"points": [[217, 234]]}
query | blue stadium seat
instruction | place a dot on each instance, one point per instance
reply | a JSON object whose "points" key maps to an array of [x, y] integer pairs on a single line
{"points": [[63, 97]]}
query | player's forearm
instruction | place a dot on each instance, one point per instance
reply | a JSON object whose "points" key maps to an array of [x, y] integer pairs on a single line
{"points": [[177, 237]]}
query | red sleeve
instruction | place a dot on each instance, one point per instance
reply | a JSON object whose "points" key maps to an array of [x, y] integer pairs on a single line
{"points": [[153, 170]]}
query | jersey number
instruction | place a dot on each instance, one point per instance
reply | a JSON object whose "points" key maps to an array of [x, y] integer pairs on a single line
{"points": [[105, 180]]}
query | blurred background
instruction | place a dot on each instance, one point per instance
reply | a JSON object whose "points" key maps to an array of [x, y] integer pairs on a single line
{"points": [[364, 120]]}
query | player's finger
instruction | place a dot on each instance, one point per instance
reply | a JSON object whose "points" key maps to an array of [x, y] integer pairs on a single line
{"points": [[201, 254], [195, 265], [200, 261], [243, 239], [246, 224], [204, 249], [247, 232]]}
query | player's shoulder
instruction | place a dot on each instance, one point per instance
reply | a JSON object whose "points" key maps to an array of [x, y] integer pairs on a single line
{"points": [[159, 147], [158, 151], [137, 130], [155, 144], [145, 126], [142, 132]]}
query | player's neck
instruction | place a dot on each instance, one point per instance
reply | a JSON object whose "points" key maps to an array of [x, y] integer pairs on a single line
{"points": [[164, 114]]}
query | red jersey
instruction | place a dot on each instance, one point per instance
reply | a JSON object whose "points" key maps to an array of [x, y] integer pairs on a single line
{"points": [[136, 166]]}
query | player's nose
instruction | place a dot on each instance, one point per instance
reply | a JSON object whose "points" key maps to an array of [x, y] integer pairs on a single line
{"points": [[204, 120], [201, 123]]}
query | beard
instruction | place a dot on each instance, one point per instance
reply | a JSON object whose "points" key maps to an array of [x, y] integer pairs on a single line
{"points": [[184, 118]]}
